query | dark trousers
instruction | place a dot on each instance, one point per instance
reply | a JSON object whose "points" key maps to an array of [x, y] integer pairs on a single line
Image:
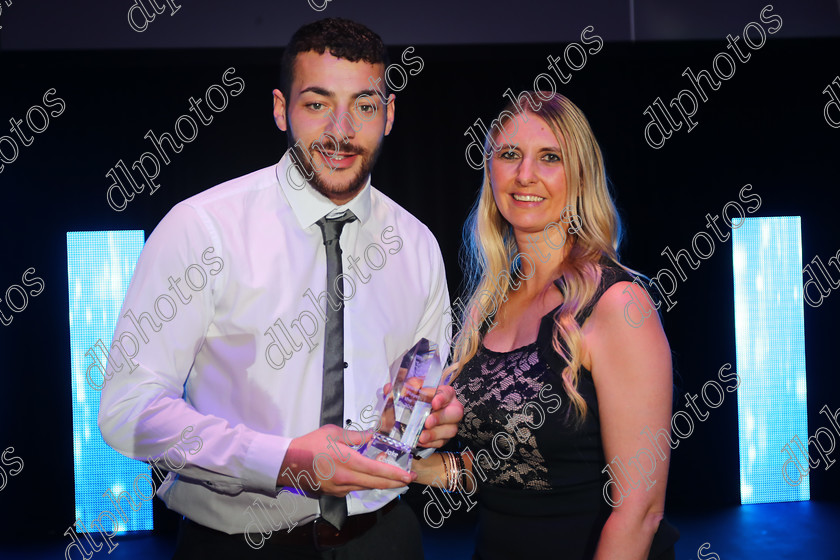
{"points": [[396, 534]]}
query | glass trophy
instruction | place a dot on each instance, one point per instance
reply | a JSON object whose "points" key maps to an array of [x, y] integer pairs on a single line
{"points": [[403, 411]]}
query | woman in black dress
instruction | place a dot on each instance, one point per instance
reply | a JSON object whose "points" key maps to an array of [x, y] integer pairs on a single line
{"points": [[560, 363]]}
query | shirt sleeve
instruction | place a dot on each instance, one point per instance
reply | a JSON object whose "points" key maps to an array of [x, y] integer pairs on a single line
{"points": [[161, 328], [435, 322]]}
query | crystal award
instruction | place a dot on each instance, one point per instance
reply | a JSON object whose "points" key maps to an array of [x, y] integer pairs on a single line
{"points": [[403, 411]]}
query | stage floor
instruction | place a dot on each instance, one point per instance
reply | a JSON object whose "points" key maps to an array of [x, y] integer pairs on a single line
{"points": [[782, 531]]}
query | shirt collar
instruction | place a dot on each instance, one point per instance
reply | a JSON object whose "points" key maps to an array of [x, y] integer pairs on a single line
{"points": [[309, 205]]}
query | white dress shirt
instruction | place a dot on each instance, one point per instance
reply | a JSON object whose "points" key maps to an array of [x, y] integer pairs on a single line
{"points": [[212, 367]]}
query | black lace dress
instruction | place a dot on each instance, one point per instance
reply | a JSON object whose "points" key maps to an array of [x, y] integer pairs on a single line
{"points": [[539, 474]]}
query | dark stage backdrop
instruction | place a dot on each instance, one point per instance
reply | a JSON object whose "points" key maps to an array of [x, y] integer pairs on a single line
{"points": [[764, 127]]}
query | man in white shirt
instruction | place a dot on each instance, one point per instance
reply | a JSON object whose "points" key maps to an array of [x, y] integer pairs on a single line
{"points": [[235, 355]]}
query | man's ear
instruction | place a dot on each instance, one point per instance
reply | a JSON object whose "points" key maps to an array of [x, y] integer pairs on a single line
{"points": [[390, 109], [280, 110]]}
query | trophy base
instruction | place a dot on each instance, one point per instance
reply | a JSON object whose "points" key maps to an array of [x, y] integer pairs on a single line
{"points": [[388, 450]]}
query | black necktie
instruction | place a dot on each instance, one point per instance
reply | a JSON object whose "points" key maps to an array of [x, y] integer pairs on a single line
{"points": [[333, 508]]}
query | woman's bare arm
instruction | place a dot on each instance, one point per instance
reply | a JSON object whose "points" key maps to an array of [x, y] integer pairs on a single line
{"points": [[631, 368]]}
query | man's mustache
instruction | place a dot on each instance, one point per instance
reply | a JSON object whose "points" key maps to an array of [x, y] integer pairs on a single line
{"points": [[331, 147]]}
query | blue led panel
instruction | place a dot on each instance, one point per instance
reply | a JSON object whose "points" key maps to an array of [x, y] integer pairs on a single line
{"points": [[770, 352], [99, 268]]}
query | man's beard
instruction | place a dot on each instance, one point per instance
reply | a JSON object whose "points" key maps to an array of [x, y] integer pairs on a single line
{"points": [[316, 178]]}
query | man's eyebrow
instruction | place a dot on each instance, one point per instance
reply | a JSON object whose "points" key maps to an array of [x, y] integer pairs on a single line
{"points": [[327, 93], [318, 90], [367, 93]]}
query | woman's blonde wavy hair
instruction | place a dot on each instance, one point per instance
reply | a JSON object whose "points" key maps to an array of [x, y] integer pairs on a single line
{"points": [[490, 258]]}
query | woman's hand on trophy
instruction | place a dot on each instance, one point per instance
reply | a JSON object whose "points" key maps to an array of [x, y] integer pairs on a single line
{"points": [[442, 423]]}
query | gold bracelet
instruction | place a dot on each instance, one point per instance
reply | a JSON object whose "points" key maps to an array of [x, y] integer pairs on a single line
{"points": [[445, 469], [448, 461], [453, 471]]}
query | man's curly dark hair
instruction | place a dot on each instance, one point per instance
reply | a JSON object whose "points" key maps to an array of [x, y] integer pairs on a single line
{"points": [[343, 38]]}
